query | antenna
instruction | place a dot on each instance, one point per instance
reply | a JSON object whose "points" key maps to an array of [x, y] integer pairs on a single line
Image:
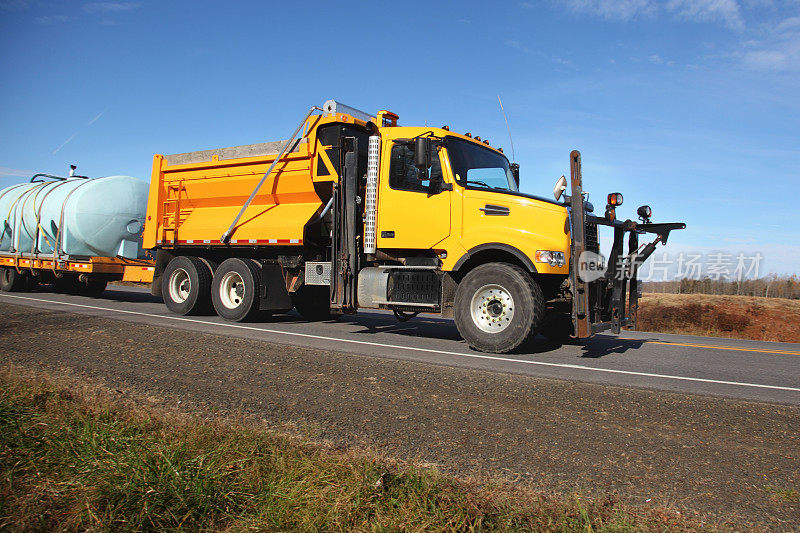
{"points": [[513, 155]]}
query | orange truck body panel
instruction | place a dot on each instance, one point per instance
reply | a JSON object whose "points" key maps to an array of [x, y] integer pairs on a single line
{"points": [[193, 203]]}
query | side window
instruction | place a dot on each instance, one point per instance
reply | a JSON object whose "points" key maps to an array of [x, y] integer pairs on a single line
{"points": [[403, 173]]}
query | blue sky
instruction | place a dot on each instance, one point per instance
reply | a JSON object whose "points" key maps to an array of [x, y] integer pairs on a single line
{"points": [[690, 106]]}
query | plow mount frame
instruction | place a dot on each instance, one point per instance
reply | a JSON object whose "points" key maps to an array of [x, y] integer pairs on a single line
{"points": [[610, 302]]}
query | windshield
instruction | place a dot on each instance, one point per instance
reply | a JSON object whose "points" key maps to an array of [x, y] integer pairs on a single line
{"points": [[476, 166]]}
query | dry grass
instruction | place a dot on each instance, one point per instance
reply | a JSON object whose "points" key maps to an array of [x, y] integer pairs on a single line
{"points": [[740, 317], [72, 458]]}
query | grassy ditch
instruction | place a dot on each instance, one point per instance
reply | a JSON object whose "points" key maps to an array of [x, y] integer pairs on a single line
{"points": [[739, 317], [72, 458]]}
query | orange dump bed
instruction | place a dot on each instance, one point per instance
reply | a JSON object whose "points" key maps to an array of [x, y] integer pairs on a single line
{"points": [[194, 197]]}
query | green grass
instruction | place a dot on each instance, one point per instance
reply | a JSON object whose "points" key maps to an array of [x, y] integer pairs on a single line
{"points": [[784, 494], [73, 459]]}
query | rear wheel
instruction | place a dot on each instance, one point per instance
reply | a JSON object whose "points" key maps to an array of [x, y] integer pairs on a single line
{"points": [[12, 280], [235, 290], [186, 286], [497, 307], [313, 302]]}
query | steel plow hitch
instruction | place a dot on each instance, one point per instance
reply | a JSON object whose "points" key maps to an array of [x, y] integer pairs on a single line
{"points": [[606, 297]]}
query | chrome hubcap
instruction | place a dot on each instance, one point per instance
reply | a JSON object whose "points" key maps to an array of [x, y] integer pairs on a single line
{"points": [[180, 285], [231, 290], [492, 308]]}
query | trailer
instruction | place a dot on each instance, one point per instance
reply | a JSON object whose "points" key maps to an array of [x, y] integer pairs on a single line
{"points": [[354, 211], [80, 275], [73, 233]]}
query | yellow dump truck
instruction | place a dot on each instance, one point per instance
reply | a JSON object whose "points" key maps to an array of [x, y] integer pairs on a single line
{"points": [[355, 211]]}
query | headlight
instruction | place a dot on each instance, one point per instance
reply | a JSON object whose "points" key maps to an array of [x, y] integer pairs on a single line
{"points": [[551, 257]]}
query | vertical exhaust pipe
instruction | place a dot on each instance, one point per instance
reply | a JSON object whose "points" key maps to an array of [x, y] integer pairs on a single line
{"points": [[371, 206]]}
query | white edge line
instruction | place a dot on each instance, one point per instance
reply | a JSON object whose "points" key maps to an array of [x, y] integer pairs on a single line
{"points": [[410, 348]]}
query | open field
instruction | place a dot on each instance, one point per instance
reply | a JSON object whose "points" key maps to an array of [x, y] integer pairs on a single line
{"points": [[739, 317], [74, 458]]}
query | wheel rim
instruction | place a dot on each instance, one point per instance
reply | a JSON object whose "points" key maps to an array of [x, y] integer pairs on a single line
{"points": [[231, 290], [492, 308], [180, 286]]}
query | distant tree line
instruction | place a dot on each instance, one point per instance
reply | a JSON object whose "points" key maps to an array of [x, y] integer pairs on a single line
{"points": [[772, 286]]}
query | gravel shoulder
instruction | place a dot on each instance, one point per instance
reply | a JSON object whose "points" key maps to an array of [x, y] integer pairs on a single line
{"points": [[725, 459]]}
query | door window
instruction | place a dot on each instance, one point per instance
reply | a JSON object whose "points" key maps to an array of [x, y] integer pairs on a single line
{"points": [[403, 175]]}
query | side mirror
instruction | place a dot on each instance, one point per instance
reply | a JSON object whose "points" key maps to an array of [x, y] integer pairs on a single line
{"points": [[515, 172], [561, 186], [422, 153]]}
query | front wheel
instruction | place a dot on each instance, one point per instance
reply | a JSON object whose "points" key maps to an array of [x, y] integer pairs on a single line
{"points": [[497, 307]]}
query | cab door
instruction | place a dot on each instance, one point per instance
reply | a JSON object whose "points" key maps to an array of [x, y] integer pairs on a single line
{"points": [[409, 216]]}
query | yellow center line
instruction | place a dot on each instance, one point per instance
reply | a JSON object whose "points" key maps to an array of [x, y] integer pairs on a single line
{"points": [[734, 348]]}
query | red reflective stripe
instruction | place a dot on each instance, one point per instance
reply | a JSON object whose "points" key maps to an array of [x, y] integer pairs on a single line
{"points": [[249, 241]]}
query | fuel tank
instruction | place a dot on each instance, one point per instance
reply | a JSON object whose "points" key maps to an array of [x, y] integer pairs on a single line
{"points": [[101, 217]]}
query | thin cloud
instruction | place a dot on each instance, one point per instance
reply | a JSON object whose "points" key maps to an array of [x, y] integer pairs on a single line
{"points": [[6, 172], [50, 20], [95, 119], [14, 5], [65, 142], [726, 11], [614, 10], [778, 51], [513, 43], [110, 7]]}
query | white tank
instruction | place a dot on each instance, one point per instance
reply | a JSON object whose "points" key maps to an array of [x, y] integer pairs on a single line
{"points": [[100, 217]]}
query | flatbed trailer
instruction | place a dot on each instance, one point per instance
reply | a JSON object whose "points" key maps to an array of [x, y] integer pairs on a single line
{"points": [[87, 275]]}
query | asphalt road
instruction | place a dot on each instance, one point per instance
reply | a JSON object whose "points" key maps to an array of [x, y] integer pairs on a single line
{"points": [[748, 370]]}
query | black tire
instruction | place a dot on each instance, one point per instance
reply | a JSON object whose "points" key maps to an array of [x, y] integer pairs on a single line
{"points": [[313, 302], [558, 327], [91, 287], [12, 280], [509, 307], [235, 290], [186, 286]]}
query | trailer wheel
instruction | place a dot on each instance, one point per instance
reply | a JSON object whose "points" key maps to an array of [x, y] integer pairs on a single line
{"points": [[13, 281], [497, 307], [91, 287], [186, 286], [235, 289], [313, 302], [65, 284]]}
